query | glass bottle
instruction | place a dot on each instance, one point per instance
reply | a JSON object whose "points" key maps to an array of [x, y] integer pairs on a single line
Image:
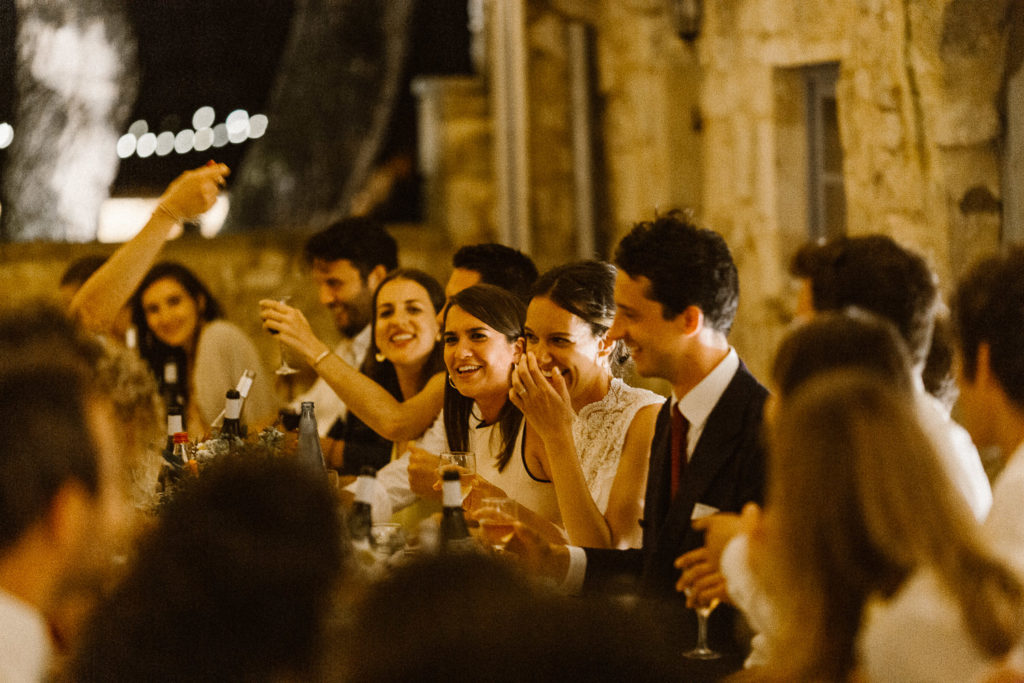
{"points": [[183, 457], [454, 533], [232, 425], [309, 450], [175, 424], [360, 517], [171, 386]]}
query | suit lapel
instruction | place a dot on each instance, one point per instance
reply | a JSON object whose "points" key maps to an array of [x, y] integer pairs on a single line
{"points": [[724, 428]]}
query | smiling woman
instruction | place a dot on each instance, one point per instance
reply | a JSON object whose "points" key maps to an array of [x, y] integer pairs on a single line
{"points": [[587, 431], [179, 320]]}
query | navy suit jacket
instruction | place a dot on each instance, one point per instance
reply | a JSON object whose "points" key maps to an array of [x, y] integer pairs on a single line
{"points": [[726, 471]]}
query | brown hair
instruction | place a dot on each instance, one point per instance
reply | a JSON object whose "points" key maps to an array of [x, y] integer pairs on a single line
{"points": [[858, 500]]}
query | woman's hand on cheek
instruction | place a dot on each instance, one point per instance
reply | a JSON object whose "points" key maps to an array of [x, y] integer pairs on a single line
{"points": [[545, 402]]}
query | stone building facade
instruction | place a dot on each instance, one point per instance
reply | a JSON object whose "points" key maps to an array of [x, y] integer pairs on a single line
{"points": [[780, 122], [775, 121]]}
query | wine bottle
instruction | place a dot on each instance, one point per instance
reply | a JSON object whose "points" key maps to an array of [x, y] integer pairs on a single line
{"points": [[183, 455], [309, 451], [454, 533], [360, 517], [175, 424], [232, 425], [244, 385], [171, 387]]}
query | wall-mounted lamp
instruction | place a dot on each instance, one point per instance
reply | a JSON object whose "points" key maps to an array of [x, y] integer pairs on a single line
{"points": [[687, 16]]}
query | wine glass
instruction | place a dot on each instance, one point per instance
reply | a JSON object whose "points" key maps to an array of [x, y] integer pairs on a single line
{"points": [[284, 368], [701, 650], [465, 463], [386, 539], [497, 521]]}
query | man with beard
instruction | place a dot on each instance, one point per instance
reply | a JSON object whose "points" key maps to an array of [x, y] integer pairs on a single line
{"points": [[348, 260]]}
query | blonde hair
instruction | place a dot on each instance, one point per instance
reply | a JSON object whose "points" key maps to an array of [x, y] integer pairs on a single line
{"points": [[858, 500], [126, 381]]}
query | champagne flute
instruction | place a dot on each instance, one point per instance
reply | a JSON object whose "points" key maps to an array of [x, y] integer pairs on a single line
{"points": [[701, 650], [284, 369], [465, 463], [497, 521]]}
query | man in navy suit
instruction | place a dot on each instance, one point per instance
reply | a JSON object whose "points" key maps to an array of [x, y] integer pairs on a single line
{"points": [[676, 295]]}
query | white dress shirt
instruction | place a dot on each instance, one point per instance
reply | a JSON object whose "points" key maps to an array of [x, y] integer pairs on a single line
{"points": [[957, 452], [695, 406], [1004, 526], [329, 406]]}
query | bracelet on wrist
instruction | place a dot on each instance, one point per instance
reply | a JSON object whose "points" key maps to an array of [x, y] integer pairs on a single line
{"points": [[170, 214], [323, 354]]}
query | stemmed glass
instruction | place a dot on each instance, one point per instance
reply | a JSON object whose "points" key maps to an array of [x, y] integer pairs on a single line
{"points": [[386, 539], [497, 521], [701, 650], [465, 463], [284, 368]]}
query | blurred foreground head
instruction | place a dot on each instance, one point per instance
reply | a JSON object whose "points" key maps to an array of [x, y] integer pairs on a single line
{"points": [[470, 617], [232, 585]]}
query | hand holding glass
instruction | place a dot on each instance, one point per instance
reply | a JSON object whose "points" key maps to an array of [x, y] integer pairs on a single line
{"points": [[386, 539], [497, 521], [284, 368], [465, 463]]}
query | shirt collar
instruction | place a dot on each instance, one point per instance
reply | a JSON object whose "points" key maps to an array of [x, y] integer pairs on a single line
{"points": [[699, 401], [361, 342]]}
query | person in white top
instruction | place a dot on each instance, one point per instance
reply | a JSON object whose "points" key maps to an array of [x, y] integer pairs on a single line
{"points": [[603, 447], [595, 431], [179, 320], [830, 341], [989, 316], [876, 274], [873, 568], [60, 494]]}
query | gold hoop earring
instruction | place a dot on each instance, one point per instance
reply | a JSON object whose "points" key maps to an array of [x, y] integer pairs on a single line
{"points": [[379, 357], [451, 382]]}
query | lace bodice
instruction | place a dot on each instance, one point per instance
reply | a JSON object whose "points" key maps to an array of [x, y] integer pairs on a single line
{"points": [[599, 432]]}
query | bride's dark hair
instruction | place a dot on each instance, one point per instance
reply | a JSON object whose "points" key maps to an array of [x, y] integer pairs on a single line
{"points": [[587, 290]]}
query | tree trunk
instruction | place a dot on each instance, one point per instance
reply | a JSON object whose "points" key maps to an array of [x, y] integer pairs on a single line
{"points": [[333, 97], [76, 79]]}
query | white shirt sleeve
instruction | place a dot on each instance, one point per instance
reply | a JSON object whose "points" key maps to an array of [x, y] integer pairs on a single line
{"points": [[572, 584], [434, 439], [959, 455]]}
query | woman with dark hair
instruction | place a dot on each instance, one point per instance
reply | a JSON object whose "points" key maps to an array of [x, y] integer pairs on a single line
{"points": [[404, 359], [179, 320], [482, 340], [400, 388], [599, 427], [594, 430]]}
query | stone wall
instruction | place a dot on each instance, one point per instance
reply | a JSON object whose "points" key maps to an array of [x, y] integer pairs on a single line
{"points": [[239, 270], [918, 98]]}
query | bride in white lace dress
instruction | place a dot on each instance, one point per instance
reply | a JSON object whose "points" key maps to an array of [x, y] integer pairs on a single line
{"points": [[595, 430]]}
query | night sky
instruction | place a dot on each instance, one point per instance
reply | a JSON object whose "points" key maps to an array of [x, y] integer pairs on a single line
{"points": [[224, 54]]}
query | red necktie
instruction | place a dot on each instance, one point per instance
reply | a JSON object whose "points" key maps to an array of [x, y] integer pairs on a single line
{"points": [[680, 427]]}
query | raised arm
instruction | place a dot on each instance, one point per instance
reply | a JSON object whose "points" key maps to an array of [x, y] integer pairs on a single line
{"points": [[393, 419], [548, 410], [97, 303]]}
